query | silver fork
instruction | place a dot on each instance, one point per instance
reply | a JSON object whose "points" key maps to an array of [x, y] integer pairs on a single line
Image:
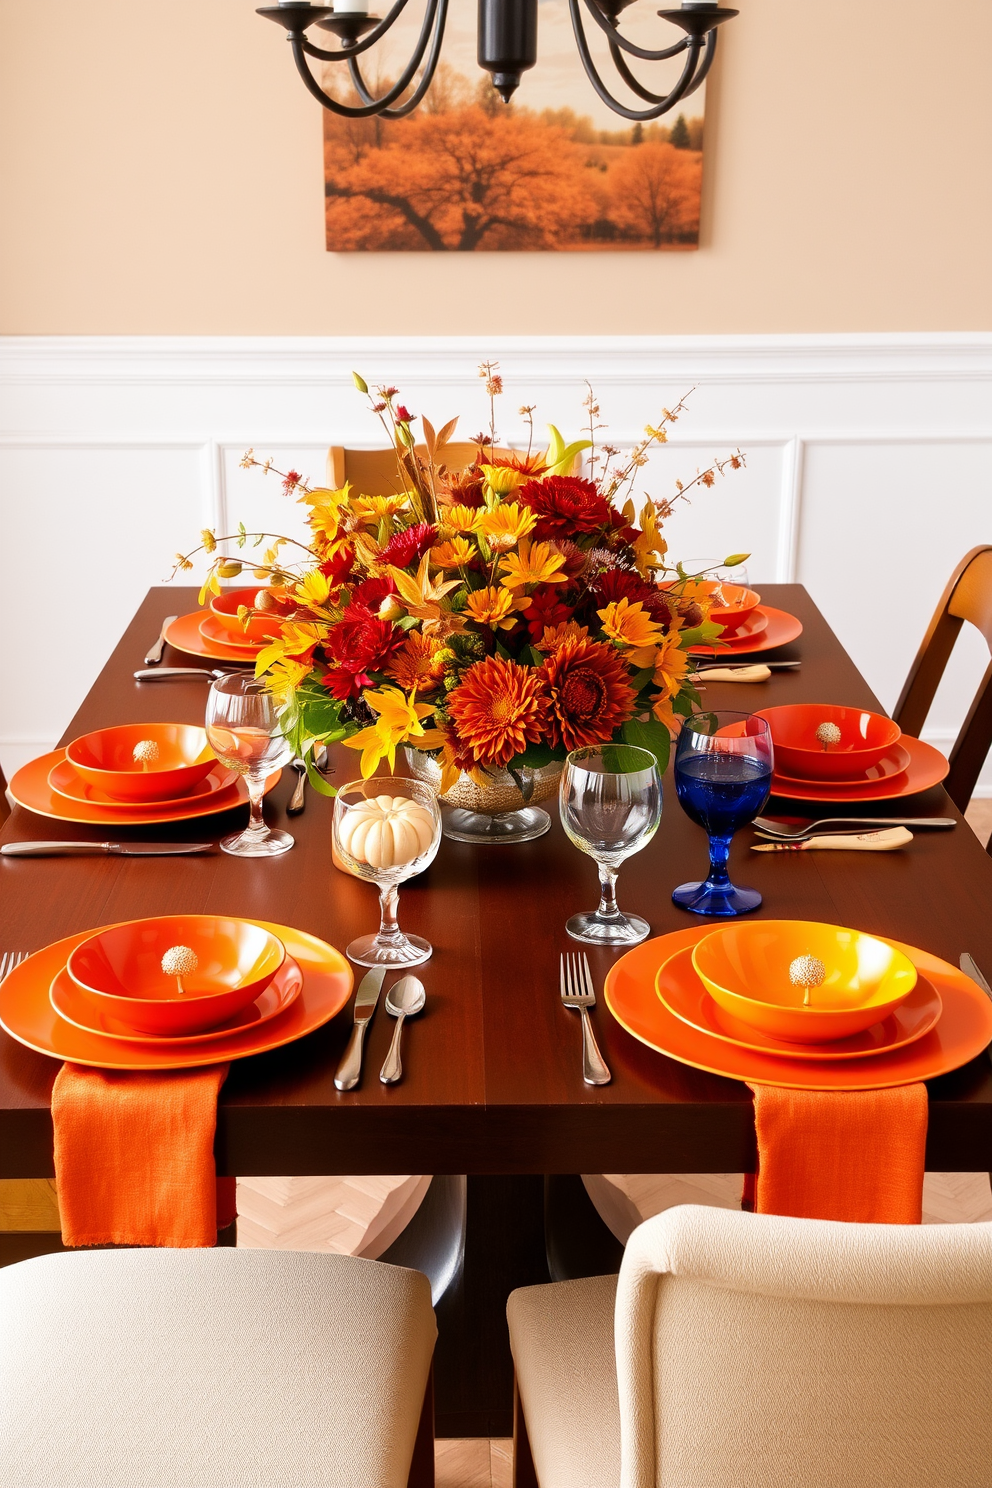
{"points": [[319, 762], [774, 828], [577, 992], [10, 959]]}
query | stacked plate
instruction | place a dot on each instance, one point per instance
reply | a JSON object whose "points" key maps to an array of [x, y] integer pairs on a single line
{"points": [[870, 1013], [834, 754], [748, 626], [131, 775], [220, 634], [173, 992]]}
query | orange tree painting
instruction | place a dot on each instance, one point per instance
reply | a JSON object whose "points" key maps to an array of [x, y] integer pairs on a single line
{"points": [[467, 173]]}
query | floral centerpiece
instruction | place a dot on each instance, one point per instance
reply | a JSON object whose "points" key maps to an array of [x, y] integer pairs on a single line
{"points": [[492, 618]]}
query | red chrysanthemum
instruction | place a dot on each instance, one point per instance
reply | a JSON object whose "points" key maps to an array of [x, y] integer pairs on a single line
{"points": [[338, 567], [563, 505], [359, 644], [497, 709], [371, 592], [545, 611], [590, 691], [408, 547], [624, 583]]}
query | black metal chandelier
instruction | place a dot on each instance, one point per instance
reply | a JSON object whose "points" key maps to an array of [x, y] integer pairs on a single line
{"points": [[507, 47]]}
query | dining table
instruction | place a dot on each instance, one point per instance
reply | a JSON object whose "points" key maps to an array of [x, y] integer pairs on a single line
{"points": [[492, 1084]]}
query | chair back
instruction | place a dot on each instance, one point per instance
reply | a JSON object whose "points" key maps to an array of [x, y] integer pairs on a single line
{"points": [[968, 597], [373, 472], [4, 803], [759, 1350]]}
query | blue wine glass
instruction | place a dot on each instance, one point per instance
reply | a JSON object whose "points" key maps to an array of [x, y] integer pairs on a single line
{"points": [[723, 777]]}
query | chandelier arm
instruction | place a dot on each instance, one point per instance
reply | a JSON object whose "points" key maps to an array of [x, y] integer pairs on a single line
{"points": [[638, 116], [440, 7], [704, 66], [637, 87], [630, 46], [368, 40], [343, 110]]}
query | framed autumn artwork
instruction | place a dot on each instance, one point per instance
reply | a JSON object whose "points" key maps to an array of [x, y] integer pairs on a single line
{"points": [[555, 169]]}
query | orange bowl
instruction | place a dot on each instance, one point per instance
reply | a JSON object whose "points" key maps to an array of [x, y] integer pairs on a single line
{"points": [[733, 607], [120, 971], [864, 738], [745, 969], [266, 626], [105, 759]]}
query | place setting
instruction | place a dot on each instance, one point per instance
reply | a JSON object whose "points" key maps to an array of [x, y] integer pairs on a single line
{"points": [[833, 754], [747, 626]]}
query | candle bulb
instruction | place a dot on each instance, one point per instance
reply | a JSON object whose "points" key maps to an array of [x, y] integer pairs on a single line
{"points": [[351, 7]]}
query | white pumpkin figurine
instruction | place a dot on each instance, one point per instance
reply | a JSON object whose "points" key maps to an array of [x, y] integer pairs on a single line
{"points": [[386, 831]]}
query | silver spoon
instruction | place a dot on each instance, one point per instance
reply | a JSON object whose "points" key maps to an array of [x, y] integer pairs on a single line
{"points": [[404, 998]]}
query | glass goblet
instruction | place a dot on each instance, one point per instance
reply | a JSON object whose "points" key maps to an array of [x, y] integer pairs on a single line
{"points": [[243, 732], [723, 776], [610, 799], [387, 830]]}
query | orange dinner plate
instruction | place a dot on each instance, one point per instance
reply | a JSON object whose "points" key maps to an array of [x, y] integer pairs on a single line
{"points": [[215, 635], [30, 788], [184, 634], [683, 994], [926, 767], [26, 1012], [894, 762], [963, 1030], [765, 629], [65, 782], [71, 1005]]}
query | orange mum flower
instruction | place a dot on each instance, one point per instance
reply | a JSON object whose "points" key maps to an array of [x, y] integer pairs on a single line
{"points": [[590, 689], [414, 666], [555, 635], [498, 708]]}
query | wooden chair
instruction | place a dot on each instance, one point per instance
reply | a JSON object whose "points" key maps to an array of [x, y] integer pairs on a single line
{"points": [[968, 596], [201, 1368], [373, 472], [4, 803], [748, 1349]]}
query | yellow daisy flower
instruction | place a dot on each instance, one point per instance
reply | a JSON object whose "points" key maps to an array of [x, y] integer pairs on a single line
{"points": [[454, 554], [505, 525], [461, 518], [533, 563], [502, 479], [375, 509], [671, 665], [398, 720], [495, 607], [629, 624]]}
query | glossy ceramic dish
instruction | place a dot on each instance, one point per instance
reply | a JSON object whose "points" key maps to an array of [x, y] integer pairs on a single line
{"points": [[215, 635], [746, 969], [120, 971], [30, 789], [778, 630], [895, 762], [683, 994], [26, 1012], [224, 613], [184, 634], [65, 782], [105, 759], [71, 1005], [732, 614], [864, 738], [963, 1030], [926, 767]]}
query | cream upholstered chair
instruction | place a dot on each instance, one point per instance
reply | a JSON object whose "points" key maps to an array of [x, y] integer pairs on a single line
{"points": [[745, 1351], [214, 1369], [373, 471]]}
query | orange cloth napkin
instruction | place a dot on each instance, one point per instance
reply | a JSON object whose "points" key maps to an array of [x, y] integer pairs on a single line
{"points": [[853, 1155], [134, 1156]]}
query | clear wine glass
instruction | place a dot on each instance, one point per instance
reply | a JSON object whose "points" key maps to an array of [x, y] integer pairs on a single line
{"points": [[387, 830], [243, 732], [723, 776], [610, 798]]}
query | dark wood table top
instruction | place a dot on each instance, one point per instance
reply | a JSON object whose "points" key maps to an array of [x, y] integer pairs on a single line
{"points": [[493, 1080]]}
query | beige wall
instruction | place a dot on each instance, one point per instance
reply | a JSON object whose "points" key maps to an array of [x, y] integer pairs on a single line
{"points": [[161, 174]]}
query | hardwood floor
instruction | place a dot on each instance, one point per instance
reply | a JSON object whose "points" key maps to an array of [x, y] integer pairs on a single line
{"points": [[473, 1462], [979, 818]]}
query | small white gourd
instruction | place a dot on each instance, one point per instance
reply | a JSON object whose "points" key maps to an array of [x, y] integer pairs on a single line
{"points": [[386, 831]]}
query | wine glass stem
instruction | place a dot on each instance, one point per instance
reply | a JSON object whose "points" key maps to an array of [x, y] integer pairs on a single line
{"points": [[719, 857], [389, 929], [256, 792], [607, 893]]}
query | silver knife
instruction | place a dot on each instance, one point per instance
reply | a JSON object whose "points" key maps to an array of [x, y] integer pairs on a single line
{"points": [[161, 674], [87, 849], [350, 1069], [155, 654], [969, 966], [731, 662]]}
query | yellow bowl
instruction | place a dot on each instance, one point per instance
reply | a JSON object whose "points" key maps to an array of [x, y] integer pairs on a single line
{"points": [[745, 969]]}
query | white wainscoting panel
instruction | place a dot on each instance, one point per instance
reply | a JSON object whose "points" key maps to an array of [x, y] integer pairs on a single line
{"points": [[869, 470]]}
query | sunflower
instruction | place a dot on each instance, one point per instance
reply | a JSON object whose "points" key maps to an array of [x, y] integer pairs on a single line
{"points": [[590, 690], [498, 708], [629, 624], [416, 665], [495, 607], [505, 525], [454, 554]]}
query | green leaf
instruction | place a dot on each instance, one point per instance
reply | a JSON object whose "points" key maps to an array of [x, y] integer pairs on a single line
{"points": [[701, 635], [642, 678], [735, 560], [651, 735], [537, 658], [502, 651], [359, 382], [321, 786], [535, 756]]}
